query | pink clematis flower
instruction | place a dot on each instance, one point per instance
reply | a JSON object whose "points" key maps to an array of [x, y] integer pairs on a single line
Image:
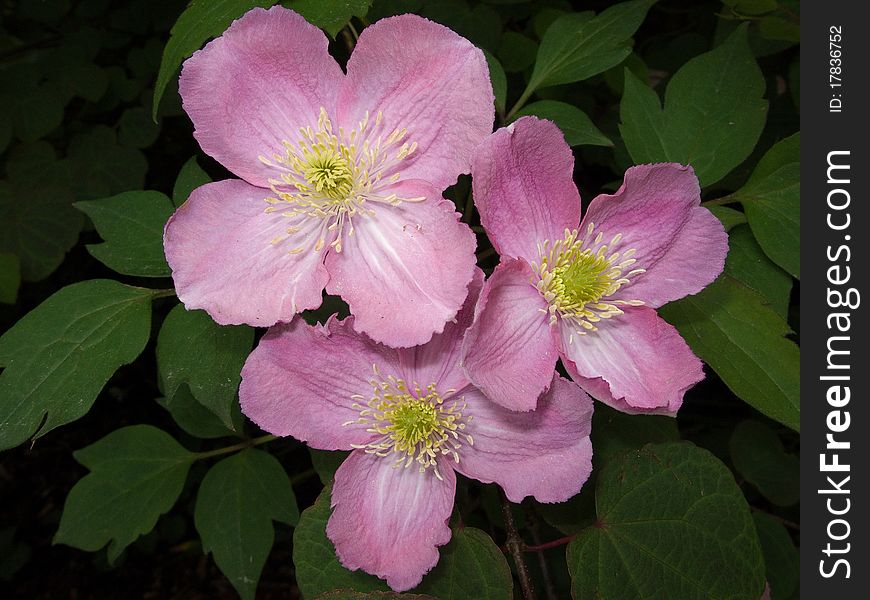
{"points": [[341, 174], [586, 291], [411, 419]]}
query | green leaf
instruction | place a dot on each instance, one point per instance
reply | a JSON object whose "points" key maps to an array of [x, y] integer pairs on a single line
{"points": [[326, 463], [352, 595], [317, 567], [237, 501], [137, 474], [780, 557], [189, 178], [734, 331], [194, 418], [577, 127], [200, 21], [671, 524], [59, 356], [499, 81], [38, 111], [137, 130], [579, 45], [132, 225], [331, 15], [470, 566], [193, 349], [712, 117], [614, 432], [771, 199], [516, 52], [748, 264], [39, 226], [10, 277], [758, 455], [730, 218]]}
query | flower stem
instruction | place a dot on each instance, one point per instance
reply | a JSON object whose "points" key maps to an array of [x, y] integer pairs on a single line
{"points": [[515, 546], [520, 103], [551, 544], [167, 293], [469, 208], [236, 447], [719, 201]]}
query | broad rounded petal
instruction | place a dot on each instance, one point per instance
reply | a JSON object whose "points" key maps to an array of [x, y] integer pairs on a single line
{"points": [[437, 361], [657, 212], [220, 247], [509, 352], [546, 453], [523, 179], [253, 87], [636, 362], [390, 521], [405, 271], [428, 80], [302, 381], [694, 260]]}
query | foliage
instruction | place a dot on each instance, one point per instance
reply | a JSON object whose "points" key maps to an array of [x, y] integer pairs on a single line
{"points": [[98, 354]]}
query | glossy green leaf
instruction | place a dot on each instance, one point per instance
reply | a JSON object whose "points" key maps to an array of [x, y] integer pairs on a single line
{"points": [[499, 81], [237, 501], [59, 356], [137, 474], [331, 15], [194, 418], [781, 558], [200, 21], [193, 349], [671, 523], [749, 265], [577, 46], [189, 178], [577, 127], [132, 225], [771, 199], [758, 455], [317, 567], [470, 566], [712, 117], [39, 226], [729, 217], [10, 277], [733, 330]]}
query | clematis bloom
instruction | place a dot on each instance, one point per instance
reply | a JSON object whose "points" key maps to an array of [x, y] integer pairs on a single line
{"points": [[586, 291], [412, 420], [341, 174]]}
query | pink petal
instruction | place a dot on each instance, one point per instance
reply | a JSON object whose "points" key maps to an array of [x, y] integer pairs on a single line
{"points": [[424, 78], [437, 361], [220, 247], [636, 362], [523, 177], [253, 87], [546, 453], [301, 380], [405, 271], [657, 210], [390, 521], [509, 351]]}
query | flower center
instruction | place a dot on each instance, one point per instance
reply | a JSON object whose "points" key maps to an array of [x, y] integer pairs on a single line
{"points": [[578, 275], [336, 176], [415, 423]]}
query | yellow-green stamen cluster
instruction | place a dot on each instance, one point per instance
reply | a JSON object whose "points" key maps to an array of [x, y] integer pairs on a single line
{"points": [[332, 176], [414, 423], [577, 276]]}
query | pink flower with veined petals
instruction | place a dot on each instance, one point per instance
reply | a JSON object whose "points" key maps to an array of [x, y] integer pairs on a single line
{"points": [[341, 174], [411, 419], [586, 291]]}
